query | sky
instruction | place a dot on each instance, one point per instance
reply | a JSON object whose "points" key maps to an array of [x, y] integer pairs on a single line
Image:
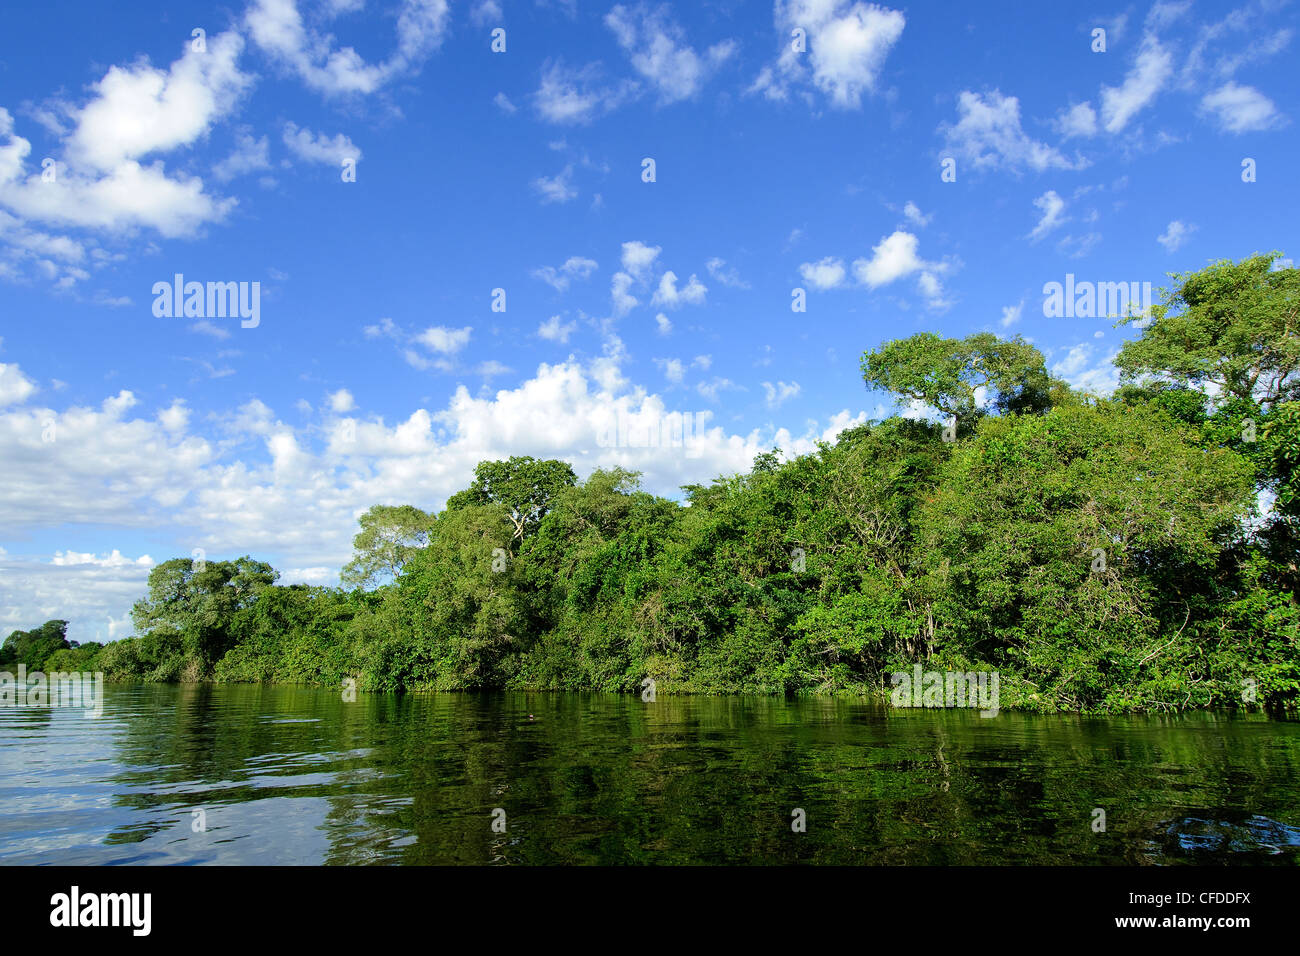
{"points": [[465, 231]]}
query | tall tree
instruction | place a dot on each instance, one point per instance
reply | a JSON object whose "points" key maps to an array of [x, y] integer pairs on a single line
{"points": [[197, 600], [1232, 325], [525, 487], [949, 374], [389, 536]]}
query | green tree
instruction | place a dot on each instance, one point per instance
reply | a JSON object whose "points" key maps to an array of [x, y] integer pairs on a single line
{"points": [[196, 601], [32, 648], [1084, 550], [523, 486], [1233, 325], [389, 536], [949, 374]]}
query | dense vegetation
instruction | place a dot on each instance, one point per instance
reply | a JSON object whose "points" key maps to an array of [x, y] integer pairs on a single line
{"points": [[1101, 554]]}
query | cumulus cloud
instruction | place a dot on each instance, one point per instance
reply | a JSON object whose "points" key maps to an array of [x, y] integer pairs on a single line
{"points": [[658, 51], [558, 188], [1051, 206], [1151, 70], [915, 216], [638, 258], [1084, 372], [1240, 109], [847, 45], [93, 593], [1011, 314], [319, 148], [574, 267], [135, 113], [1079, 120], [277, 27], [1175, 234], [727, 276], [572, 96], [827, 273], [988, 135], [776, 394], [448, 341], [293, 494], [342, 401], [669, 295], [555, 329], [15, 387], [251, 154]]}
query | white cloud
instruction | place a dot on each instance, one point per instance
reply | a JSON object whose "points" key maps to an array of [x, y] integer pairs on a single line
{"points": [[988, 135], [556, 330], [892, 258], [777, 394], [1078, 368], [1076, 247], [557, 188], [135, 112], [673, 369], [1151, 70], [448, 341], [1240, 109], [92, 593], [250, 155], [728, 277], [711, 389], [1051, 206], [1011, 314], [319, 148], [204, 327], [484, 12], [292, 494], [574, 267], [663, 324], [638, 258], [669, 295], [503, 103], [895, 257], [915, 216], [620, 294], [277, 27], [1079, 120], [828, 273], [1175, 234], [15, 387], [573, 96], [342, 401], [139, 110], [847, 45], [657, 49]]}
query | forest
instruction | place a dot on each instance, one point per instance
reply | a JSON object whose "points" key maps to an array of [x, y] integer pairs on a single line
{"points": [[1104, 554]]}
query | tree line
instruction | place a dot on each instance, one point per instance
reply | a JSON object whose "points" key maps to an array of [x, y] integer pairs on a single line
{"points": [[1103, 554]]}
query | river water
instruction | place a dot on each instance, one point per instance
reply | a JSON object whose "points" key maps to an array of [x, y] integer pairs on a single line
{"points": [[202, 774]]}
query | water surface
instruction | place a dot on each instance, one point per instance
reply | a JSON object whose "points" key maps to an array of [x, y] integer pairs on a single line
{"points": [[256, 774]]}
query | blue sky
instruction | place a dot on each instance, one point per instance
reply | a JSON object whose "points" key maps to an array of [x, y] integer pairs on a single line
{"points": [[378, 370]]}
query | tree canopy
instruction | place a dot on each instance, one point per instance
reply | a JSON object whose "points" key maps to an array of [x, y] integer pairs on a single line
{"points": [[1101, 553]]}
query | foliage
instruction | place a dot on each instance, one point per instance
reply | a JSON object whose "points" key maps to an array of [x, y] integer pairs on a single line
{"points": [[1100, 554], [389, 536]]}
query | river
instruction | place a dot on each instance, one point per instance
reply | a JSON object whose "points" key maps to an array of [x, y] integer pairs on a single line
{"points": [[236, 774]]}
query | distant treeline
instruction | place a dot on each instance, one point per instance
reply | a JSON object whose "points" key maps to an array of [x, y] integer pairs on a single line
{"points": [[1137, 552]]}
